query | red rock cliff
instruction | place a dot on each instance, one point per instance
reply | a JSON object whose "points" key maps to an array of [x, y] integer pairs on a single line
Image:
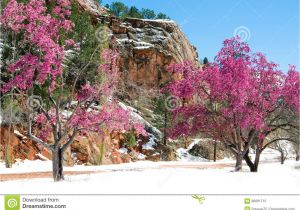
{"points": [[146, 47]]}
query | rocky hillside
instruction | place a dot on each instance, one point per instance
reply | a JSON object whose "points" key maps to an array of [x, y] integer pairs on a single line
{"points": [[147, 48]]}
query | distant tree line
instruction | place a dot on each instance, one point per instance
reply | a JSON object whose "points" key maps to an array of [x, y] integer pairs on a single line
{"points": [[121, 10]]}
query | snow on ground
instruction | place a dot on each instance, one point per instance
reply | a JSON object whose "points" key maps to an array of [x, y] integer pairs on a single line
{"points": [[268, 154], [155, 178], [28, 166], [184, 156], [189, 175]]}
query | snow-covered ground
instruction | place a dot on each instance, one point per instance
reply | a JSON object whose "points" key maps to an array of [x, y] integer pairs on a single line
{"points": [[190, 175], [158, 177]]}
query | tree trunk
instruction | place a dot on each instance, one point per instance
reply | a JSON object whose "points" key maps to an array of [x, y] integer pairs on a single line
{"points": [[215, 151], [8, 152], [57, 164], [249, 162], [165, 128], [239, 162], [298, 151], [282, 158], [253, 165], [257, 158]]}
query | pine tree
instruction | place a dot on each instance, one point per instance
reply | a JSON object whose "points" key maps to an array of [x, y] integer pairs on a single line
{"points": [[148, 13], [205, 61], [118, 9], [162, 115], [162, 16], [134, 12]]}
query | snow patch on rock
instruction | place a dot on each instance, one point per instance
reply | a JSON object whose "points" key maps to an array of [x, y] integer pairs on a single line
{"points": [[123, 150], [150, 144], [185, 156], [136, 116], [160, 20], [141, 156]]}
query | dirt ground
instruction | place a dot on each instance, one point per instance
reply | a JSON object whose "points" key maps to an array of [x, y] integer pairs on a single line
{"points": [[48, 174]]}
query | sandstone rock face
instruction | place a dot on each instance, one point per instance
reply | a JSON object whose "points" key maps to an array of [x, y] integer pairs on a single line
{"points": [[84, 150], [91, 6], [147, 48], [20, 146]]}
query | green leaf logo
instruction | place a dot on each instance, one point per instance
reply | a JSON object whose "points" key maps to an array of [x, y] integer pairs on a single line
{"points": [[200, 199], [12, 202], [247, 200]]}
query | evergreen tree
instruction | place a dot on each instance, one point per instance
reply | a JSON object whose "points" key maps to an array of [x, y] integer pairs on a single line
{"points": [[205, 60], [162, 116], [148, 13], [162, 16], [118, 9], [85, 34], [134, 12]]}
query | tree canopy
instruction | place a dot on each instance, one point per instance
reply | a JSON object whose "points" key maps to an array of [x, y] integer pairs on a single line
{"points": [[119, 9]]}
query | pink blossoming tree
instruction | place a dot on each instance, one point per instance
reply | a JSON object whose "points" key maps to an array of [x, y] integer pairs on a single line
{"points": [[38, 74], [237, 99]]}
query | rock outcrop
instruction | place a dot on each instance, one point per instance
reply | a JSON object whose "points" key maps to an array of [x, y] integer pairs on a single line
{"points": [[20, 147], [89, 149], [205, 149], [83, 151], [92, 7], [146, 47]]}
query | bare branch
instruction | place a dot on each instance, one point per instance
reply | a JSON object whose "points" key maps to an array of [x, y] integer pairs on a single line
{"points": [[278, 139], [70, 141], [36, 139], [252, 134]]}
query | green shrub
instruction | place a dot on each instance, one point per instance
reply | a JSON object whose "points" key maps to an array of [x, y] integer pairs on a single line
{"points": [[130, 139]]}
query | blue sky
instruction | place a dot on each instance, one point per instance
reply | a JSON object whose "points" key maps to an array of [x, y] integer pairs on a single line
{"points": [[270, 26]]}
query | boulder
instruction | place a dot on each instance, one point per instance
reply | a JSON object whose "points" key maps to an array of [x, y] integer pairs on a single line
{"points": [[205, 149]]}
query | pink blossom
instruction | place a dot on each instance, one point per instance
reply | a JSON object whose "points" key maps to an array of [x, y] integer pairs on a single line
{"points": [[240, 89], [40, 30]]}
